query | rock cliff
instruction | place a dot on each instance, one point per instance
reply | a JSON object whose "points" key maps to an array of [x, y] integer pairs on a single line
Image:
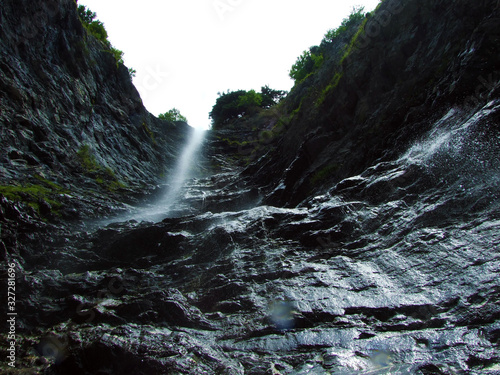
{"points": [[381, 90], [75, 135], [352, 229]]}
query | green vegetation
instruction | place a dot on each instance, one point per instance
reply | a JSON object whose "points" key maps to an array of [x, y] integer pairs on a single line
{"points": [[44, 193], [311, 61], [236, 104], [249, 101], [323, 64], [51, 185], [260, 133], [323, 174], [307, 63], [354, 40], [149, 132], [96, 28], [88, 160], [117, 54], [103, 176], [334, 83], [271, 97], [173, 115], [354, 18]]}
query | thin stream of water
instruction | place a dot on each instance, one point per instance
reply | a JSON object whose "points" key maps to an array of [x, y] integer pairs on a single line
{"points": [[160, 209]]}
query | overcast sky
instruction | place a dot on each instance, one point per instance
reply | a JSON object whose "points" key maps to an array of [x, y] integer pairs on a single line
{"points": [[186, 51]]}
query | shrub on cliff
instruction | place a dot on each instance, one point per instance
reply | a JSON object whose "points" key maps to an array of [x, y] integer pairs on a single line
{"points": [[93, 26], [235, 104], [271, 97], [96, 28], [307, 63], [173, 115], [356, 16], [311, 60]]}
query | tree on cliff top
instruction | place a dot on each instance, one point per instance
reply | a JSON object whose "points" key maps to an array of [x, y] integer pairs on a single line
{"points": [[96, 28], [173, 115], [311, 60], [235, 104]]}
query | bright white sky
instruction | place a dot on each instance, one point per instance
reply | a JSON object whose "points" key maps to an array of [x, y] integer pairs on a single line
{"points": [[186, 51]]}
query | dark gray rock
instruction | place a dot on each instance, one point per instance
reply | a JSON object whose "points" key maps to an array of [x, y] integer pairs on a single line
{"points": [[61, 93], [388, 264], [415, 61]]}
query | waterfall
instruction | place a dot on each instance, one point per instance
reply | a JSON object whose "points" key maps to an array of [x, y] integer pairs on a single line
{"points": [[182, 171], [161, 208]]}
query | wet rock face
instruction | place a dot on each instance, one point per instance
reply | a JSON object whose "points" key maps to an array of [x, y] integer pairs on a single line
{"points": [[415, 60], [70, 113], [394, 270]]}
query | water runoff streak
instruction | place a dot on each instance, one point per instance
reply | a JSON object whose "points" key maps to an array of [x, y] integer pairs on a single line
{"points": [[159, 210], [182, 170]]}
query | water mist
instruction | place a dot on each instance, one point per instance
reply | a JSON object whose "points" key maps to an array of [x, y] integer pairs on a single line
{"points": [[182, 171], [160, 209]]}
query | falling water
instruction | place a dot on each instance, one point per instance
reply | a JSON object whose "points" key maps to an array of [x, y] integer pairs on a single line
{"points": [[393, 271], [181, 173], [160, 209]]}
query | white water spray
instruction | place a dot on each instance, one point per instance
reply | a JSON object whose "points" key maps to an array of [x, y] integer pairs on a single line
{"points": [[182, 170], [159, 210]]}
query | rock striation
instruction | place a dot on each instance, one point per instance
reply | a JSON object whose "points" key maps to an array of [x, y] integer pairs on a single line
{"points": [[381, 91], [70, 115], [361, 237]]}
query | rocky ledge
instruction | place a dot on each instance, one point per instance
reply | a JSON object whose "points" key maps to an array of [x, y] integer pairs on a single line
{"points": [[386, 263]]}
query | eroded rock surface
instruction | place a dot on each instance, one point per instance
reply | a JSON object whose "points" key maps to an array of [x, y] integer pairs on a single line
{"points": [[391, 271], [72, 122], [386, 264]]}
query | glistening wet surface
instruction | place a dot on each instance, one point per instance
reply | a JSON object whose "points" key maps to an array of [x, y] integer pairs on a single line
{"points": [[394, 271]]}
